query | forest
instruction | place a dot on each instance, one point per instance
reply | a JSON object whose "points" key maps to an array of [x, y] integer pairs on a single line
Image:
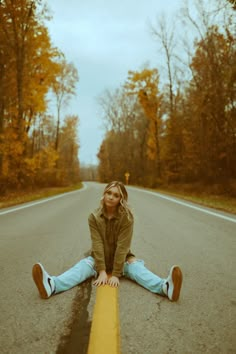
{"points": [[37, 149], [177, 124], [170, 124]]}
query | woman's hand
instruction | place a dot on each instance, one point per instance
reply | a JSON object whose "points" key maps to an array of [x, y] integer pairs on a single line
{"points": [[114, 281], [101, 279]]}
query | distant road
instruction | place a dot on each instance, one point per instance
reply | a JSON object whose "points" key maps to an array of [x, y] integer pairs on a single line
{"points": [[167, 231]]}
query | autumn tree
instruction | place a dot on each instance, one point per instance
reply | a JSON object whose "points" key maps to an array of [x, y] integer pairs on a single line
{"points": [[144, 85], [40, 163], [186, 132], [124, 148], [69, 150], [116, 151], [29, 65], [27, 68], [110, 157], [171, 157], [213, 97], [210, 96]]}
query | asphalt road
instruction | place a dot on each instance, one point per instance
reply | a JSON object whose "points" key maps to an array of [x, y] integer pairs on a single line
{"points": [[167, 231]]}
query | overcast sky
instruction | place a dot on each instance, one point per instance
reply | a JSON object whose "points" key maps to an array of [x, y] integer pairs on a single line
{"points": [[104, 39]]}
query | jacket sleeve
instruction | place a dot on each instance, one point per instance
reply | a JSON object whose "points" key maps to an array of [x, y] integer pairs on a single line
{"points": [[97, 244], [123, 246]]}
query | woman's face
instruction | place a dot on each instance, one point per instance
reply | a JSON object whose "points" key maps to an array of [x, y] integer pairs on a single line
{"points": [[112, 197]]}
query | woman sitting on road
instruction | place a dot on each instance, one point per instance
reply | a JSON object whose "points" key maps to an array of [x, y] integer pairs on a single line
{"points": [[111, 229]]}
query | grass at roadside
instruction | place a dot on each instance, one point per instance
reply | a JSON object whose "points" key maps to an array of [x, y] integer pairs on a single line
{"points": [[220, 202], [20, 197]]}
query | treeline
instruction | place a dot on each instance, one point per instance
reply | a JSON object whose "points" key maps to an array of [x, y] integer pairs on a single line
{"points": [[36, 148], [181, 129]]}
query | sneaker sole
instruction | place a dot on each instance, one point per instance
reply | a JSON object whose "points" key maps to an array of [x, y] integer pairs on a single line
{"points": [[38, 279], [177, 279]]}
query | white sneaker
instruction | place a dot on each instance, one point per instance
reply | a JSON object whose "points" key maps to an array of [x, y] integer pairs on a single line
{"points": [[43, 281], [173, 283]]}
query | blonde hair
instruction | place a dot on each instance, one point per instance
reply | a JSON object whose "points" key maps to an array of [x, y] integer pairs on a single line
{"points": [[124, 196]]}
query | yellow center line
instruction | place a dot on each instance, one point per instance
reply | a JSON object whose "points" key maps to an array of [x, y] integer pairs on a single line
{"points": [[105, 330]]}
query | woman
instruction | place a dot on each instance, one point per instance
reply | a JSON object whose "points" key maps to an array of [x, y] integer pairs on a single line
{"points": [[111, 229]]}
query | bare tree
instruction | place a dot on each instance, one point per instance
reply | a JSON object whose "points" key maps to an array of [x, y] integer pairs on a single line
{"points": [[166, 37], [63, 88]]}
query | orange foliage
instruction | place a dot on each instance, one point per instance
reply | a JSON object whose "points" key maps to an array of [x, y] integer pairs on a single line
{"points": [[29, 69], [144, 85]]}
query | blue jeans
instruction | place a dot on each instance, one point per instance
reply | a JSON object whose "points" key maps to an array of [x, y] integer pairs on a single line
{"points": [[85, 269], [140, 274], [81, 271]]}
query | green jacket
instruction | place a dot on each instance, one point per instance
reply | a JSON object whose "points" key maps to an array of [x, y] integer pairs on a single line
{"points": [[111, 240]]}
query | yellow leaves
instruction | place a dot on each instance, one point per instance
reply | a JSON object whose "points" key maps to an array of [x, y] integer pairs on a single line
{"points": [[145, 81], [144, 76], [10, 145], [11, 151], [31, 67], [151, 151], [144, 85], [44, 160]]}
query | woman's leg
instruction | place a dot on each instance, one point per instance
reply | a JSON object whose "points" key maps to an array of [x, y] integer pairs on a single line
{"points": [[81, 271], [135, 269], [48, 285]]}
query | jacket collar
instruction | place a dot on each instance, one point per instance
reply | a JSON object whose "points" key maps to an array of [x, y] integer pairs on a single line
{"points": [[103, 213]]}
